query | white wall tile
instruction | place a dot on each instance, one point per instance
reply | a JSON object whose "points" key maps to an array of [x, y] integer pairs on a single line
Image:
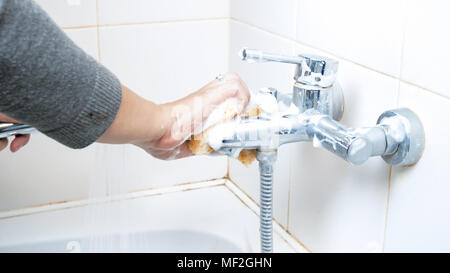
{"points": [[43, 171], [71, 13], [274, 16], [335, 206], [426, 54], [148, 172], [164, 62], [257, 76], [36, 174], [138, 11], [419, 206], [86, 39], [366, 32]]}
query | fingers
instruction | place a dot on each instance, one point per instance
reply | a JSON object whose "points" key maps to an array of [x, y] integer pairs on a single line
{"points": [[183, 151], [3, 143], [177, 152], [231, 86], [189, 113], [5, 118], [239, 90], [236, 88], [18, 142]]}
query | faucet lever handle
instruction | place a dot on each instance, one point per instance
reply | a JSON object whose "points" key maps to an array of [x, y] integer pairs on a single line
{"points": [[259, 56], [313, 70]]}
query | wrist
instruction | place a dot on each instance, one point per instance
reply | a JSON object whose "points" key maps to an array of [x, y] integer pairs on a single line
{"points": [[137, 121], [171, 124]]}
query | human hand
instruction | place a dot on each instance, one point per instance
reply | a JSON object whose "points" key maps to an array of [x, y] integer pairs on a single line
{"points": [[19, 140], [187, 115], [162, 130]]}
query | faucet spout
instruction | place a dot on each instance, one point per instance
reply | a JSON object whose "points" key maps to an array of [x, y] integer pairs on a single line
{"points": [[260, 132]]}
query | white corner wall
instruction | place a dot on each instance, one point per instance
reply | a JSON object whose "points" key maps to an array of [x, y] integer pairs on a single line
{"points": [[392, 54]]}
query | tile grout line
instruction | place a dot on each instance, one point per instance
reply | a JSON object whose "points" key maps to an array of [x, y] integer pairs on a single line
{"points": [[227, 175], [97, 15], [147, 23], [288, 220], [402, 49], [289, 193], [193, 184], [342, 58], [229, 44], [116, 198], [229, 69], [79, 27], [164, 22], [402, 46], [242, 190], [386, 216]]}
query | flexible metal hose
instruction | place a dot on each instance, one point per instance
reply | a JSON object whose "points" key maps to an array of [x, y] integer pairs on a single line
{"points": [[266, 162]]}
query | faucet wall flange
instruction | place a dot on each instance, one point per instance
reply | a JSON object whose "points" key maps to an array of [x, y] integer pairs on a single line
{"points": [[405, 137]]}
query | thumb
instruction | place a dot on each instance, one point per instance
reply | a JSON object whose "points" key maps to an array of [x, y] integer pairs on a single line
{"points": [[3, 143], [5, 118]]}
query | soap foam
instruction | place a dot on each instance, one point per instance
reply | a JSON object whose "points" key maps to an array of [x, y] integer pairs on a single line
{"points": [[222, 112]]}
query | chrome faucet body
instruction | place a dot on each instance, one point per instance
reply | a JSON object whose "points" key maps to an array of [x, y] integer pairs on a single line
{"points": [[397, 137], [311, 113]]}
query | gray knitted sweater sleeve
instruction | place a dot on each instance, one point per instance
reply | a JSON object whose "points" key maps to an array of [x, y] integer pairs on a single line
{"points": [[50, 83]]}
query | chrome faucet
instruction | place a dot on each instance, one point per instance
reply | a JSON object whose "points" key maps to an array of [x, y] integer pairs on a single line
{"points": [[311, 113]]}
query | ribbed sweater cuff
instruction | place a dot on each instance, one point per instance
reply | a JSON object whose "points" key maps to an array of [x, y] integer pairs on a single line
{"points": [[98, 114]]}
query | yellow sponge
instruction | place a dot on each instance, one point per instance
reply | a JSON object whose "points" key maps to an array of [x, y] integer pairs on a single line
{"points": [[198, 144]]}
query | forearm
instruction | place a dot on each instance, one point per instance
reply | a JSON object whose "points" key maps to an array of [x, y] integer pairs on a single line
{"points": [[138, 120], [49, 82], [160, 129]]}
